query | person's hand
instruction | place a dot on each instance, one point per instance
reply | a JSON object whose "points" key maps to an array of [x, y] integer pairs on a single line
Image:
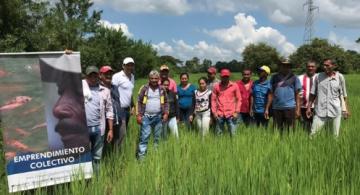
{"points": [[308, 113], [346, 114], [266, 114], [110, 136], [68, 51], [297, 113], [132, 111], [139, 120], [235, 115], [191, 117], [177, 120], [251, 112], [165, 117]]}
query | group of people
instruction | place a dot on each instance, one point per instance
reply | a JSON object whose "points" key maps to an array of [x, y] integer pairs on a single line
{"points": [[162, 104]]}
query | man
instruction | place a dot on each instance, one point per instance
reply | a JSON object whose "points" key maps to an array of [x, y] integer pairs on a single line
{"points": [[307, 81], [284, 97], [259, 97], [124, 81], [245, 86], [153, 110], [164, 75], [225, 103], [329, 90], [211, 78], [98, 108], [119, 124]]}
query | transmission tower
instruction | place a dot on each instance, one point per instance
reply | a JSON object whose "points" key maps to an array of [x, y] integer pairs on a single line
{"points": [[309, 25]]}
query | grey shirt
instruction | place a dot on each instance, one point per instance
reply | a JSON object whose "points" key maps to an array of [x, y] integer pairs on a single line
{"points": [[153, 104], [92, 108], [328, 91]]}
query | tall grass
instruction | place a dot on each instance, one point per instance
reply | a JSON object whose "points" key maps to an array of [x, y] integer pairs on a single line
{"points": [[255, 161]]}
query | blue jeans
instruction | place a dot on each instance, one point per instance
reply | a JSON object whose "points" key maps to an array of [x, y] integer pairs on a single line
{"points": [[97, 145], [220, 125], [149, 122]]}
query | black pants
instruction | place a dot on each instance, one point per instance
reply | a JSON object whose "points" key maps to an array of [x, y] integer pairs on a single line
{"points": [[305, 121], [284, 119], [260, 120]]}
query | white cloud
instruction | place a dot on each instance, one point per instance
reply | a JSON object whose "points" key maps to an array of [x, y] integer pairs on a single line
{"points": [[279, 17], [117, 26], [244, 32], [172, 7], [344, 42], [202, 50], [231, 42]]}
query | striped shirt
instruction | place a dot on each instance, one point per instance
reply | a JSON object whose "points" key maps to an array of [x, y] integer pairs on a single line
{"points": [[306, 84]]}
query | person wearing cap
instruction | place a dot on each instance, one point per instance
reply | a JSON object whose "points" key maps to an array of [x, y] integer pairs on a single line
{"points": [[307, 80], [259, 97], [330, 97], [119, 123], [284, 97], [225, 103], [124, 81], [152, 111], [164, 75], [98, 109], [211, 78], [245, 85]]}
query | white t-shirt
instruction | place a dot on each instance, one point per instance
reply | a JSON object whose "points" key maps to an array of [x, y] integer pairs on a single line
{"points": [[125, 87], [153, 105]]}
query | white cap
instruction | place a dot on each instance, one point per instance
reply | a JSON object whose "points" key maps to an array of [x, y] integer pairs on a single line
{"points": [[128, 60]]}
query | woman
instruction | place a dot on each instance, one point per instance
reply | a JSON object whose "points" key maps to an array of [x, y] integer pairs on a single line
{"points": [[202, 107], [186, 97], [173, 110]]}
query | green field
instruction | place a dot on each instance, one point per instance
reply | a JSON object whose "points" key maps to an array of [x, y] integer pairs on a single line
{"points": [[255, 161]]}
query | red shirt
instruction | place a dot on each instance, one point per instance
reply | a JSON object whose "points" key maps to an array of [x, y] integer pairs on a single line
{"points": [[225, 100], [245, 91]]}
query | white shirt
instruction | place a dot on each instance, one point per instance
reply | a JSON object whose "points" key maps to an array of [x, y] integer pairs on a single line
{"points": [[125, 87], [153, 105]]}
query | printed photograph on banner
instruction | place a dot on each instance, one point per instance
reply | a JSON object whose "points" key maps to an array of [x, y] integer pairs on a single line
{"points": [[43, 120]]}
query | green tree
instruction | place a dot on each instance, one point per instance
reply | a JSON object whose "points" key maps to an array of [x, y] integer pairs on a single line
{"points": [[193, 65], [318, 50], [256, 55]]}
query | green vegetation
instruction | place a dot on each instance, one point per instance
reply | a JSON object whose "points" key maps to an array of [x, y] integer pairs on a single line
{"points": [[256, 161]]}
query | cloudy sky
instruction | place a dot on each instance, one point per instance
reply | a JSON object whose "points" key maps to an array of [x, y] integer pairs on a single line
{"points": [[221, 29]]}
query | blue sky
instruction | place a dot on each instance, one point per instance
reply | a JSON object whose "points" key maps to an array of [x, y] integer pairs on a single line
{"points": [[221, 29]]}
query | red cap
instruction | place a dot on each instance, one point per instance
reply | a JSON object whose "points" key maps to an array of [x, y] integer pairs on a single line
{"points": [[212, 70], [105, 69], [225, 73]]}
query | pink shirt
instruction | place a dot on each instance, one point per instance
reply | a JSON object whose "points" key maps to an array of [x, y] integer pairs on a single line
{"points": [[245, 91], [225, 101], [172, 85]]}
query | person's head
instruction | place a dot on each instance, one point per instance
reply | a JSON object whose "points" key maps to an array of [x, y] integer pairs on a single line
{"points": [[246, 75], [329, 65], [154, 77], [106, 74], [311, 68], [202, 83], [92, 75], [225, 75], [128, 65], [69, 110], [285, 66], [211, 73], [164, 72], [165, 83], [263, 71], [184, 78]]}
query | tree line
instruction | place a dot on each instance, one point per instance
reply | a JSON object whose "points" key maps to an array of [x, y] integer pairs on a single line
{"points": [[30, 26]]}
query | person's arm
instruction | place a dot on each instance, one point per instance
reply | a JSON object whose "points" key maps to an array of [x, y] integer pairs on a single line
{"points": [[110, 116], [343, 95], [139, 110], [238, 101], [166, 105], [268, 104], [192, 111], [297, 106], [251, 105], [213, 102]]}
